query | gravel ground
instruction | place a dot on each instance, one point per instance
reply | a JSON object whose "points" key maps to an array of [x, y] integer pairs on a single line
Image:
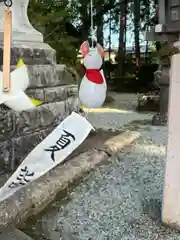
{"points": [[120, 200], [115, 120], [127, 101]]}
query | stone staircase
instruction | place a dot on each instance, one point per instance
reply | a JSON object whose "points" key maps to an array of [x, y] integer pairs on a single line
{"points": [[53, 84]]}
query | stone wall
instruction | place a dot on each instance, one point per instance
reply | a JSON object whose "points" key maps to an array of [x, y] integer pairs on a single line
{"points": [[20, 132], [49, 82]]}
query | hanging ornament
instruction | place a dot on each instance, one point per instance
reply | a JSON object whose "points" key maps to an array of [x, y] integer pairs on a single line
{"points": [[13, 84], [93, 87], [92, 90]]}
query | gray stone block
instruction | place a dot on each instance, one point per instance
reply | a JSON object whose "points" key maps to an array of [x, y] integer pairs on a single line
{"points": [[53, 94], [37, 93], [7, 124], [13, 152], [31, 56], [60, 93], [25, 122], [30, 128], [5, 154], [42, 76], [51, 75], [23, 145], [14, 234], [67, 75], [40, 117], [72, 104]]}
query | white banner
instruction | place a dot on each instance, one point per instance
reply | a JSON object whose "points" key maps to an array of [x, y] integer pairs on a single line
{"points": [[54, 149]]}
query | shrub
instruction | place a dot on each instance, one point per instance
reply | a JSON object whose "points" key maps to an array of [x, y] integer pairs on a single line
{"points": [[146, 76], [125, 84]]}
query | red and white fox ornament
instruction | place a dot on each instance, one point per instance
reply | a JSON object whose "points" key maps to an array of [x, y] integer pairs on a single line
{"points": [[92, 90]]}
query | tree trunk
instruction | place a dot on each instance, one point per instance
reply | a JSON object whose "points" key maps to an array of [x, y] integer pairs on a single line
{"points": [[136, 32], [122, 38], [125, 25], [110, 42], [99, 22], [83, 10], [147, 13], [110, 31]]}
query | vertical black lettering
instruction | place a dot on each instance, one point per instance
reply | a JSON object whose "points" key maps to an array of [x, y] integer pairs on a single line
{"points": [[52, 149], [61, 143], [23, 178]]}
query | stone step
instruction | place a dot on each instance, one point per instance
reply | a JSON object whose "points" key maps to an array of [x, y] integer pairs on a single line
{"points": [[31, 56], [53, 94], [50, 75], [22, 123], [68, 74], [14, 234], [43, 76]]}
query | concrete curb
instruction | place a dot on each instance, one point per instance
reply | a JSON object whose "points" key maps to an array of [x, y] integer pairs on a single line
{"points": [[34, 198]]}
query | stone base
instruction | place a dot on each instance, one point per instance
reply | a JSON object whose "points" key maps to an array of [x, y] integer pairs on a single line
{"points": [[159, 120], [53, 84], [20, 132], [53, 94], [50, 76], [31, 54]]}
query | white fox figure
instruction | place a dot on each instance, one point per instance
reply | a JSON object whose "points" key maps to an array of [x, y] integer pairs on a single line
{"points": [[92, 90]]}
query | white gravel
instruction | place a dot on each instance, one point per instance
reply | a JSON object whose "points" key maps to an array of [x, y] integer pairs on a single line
{"points": [[120, 200]]}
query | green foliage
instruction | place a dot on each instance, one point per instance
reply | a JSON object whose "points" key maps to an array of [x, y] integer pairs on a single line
{"points": [[125, 84], [66, 23], [50, 18]]}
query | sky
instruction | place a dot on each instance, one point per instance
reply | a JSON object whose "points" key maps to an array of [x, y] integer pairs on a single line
{"points": [[129, 39], [129, 36]]}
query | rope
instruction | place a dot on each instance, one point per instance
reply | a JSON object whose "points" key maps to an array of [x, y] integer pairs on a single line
{"points": [[93, 29], [92, 23], [8, 3]]}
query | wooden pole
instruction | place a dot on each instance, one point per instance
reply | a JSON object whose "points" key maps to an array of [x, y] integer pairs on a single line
{"points": [[7, 49]]}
